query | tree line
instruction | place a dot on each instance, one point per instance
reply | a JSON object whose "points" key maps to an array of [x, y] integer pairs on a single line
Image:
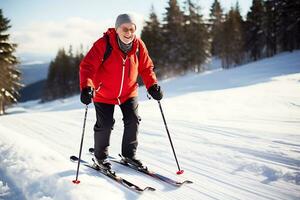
{"points": [[184, 41]]}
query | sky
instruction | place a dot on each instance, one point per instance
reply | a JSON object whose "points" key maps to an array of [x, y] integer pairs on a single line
{"points": [[40, 28]]}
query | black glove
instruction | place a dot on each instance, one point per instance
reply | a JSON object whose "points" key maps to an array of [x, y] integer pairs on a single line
{"points": [[86, 95], [155, 92]]}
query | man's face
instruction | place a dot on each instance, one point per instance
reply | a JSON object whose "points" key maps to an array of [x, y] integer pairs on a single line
{"points": [[126, 32]]}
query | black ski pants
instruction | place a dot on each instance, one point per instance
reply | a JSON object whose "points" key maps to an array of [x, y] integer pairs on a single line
{"points": [[104, 126]]}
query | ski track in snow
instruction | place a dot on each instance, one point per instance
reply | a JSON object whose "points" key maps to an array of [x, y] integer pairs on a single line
{"points": [[236, 134]]}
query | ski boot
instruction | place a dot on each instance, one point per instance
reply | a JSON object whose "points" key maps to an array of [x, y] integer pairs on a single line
{"points": [[102, 164], [133, 161]]}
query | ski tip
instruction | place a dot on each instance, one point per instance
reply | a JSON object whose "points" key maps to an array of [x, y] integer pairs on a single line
{"points": [[150, 189], [73, 158], [76, 181], [188, 181], [91, 150], [180, 172]]}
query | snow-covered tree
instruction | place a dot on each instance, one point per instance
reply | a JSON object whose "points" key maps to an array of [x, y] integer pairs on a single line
{"points": [[9, 73]]}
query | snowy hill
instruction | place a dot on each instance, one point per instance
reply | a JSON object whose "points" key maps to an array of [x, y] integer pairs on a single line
{"points": [[236, 134]]}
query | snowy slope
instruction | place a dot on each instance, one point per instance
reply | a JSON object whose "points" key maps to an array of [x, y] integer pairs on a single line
{"points": [[236, 134]]}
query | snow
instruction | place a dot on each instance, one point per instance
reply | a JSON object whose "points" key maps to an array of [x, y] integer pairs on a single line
{"points": [[236, 135], [4, 189]]}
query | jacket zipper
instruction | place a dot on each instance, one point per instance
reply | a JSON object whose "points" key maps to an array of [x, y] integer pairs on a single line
{"points": [[129, 68], [122, 81]]}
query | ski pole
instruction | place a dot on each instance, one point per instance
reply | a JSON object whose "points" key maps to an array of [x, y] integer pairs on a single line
{"points": [[76, 181], [179, 170]]}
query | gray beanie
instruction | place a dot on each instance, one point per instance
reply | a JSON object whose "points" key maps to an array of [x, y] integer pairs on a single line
{"points": [[125, 18]]}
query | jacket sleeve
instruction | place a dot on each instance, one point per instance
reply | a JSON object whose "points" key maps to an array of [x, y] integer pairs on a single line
{"points": [[90, 64], [146, 66]]}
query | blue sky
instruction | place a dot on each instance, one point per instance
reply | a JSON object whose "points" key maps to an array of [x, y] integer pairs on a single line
{"points": [[40, 27]]}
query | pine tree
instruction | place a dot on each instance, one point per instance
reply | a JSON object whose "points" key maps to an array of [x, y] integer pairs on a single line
{"points": [[49, 91], [216, 19], [196, 45], [9, 73], [173, 33], [232, 53], [77, 60], [63, 75], [255, 37], [288, 26], [59, 82], [73, 70], [153, 38], [270, 27]]}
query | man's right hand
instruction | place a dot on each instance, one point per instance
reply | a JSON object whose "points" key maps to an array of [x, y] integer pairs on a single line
{"points": [[86, 95]]}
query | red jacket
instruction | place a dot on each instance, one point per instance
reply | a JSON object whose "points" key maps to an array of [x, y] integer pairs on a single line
{"points": [[115, 80]]}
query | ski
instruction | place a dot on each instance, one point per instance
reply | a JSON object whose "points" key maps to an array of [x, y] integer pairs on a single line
{"points": [[148, 172], [112, 174]]}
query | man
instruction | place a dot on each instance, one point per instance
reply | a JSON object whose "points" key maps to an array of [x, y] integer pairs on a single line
{"points": [[112, 80]]}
